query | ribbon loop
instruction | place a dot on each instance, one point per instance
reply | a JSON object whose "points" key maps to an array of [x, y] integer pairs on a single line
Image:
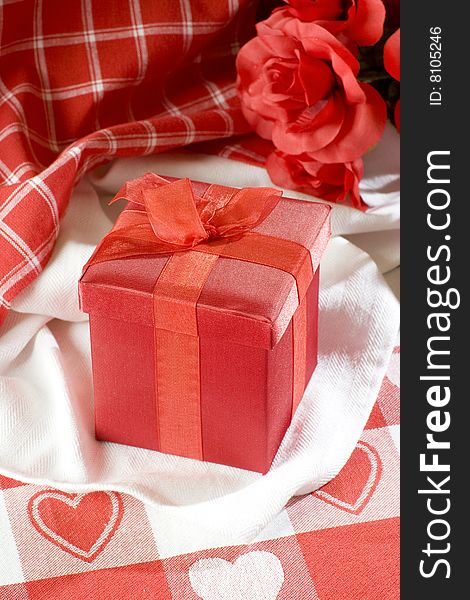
{"points": [[132, 190], [239, 211], [171, 210]]}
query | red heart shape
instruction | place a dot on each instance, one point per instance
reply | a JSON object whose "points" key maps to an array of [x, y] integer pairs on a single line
{"points": [[355, 484], [80, 524]]}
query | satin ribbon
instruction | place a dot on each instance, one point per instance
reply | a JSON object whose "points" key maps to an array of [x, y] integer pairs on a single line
{"points": [[167, 218], [173, 219]]}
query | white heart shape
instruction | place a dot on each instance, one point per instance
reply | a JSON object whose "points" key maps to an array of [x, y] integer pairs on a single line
{"points": [[393, 371], [256, 575]]}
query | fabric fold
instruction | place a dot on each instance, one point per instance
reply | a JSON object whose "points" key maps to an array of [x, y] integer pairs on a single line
{"points": [[46, 424]]}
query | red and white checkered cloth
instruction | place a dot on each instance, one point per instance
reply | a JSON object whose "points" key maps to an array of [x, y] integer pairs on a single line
{"points": [[340, 542], [84, 81]]}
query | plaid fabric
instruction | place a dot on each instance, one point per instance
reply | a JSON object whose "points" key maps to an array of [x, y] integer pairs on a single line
{"points": [[249, 148], [338, 543], [87, 80]]}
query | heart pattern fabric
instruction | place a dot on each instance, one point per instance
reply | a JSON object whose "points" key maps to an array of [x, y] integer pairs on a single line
{"points": [[80, 524], [257, 575], [354, 486]]}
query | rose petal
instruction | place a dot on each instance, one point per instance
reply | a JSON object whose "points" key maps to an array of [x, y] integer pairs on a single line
{"points": [[321, 44], [367, 26], [317, 78], [311, 36], [323, 129], [392, 55], [362, 21], [331, 182], [263, 127], [362, 128]]}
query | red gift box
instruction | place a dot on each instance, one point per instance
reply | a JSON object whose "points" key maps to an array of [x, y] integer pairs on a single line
{"points": [[203, 305]]}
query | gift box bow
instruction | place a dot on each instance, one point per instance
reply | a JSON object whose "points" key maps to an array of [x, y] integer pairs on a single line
{"points": [[169, 218], [179, 219]]}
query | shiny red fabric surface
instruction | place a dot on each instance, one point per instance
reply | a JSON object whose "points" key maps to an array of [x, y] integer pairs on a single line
{"points": [[246, 392], [177, 364]]}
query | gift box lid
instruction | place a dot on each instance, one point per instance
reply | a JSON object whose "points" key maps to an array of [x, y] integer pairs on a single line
{"points": [[245, 302]]}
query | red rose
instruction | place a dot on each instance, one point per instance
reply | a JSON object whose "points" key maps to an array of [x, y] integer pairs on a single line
{"points": [[298, 87], [392, 65], [360, 20], [335, 182]]}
